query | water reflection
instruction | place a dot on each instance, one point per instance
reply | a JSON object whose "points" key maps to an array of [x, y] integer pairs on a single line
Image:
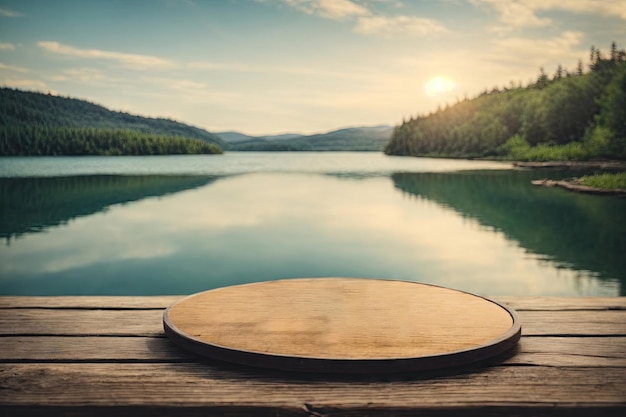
{"points": [[31, 205], [575, 231], [260, 227]]}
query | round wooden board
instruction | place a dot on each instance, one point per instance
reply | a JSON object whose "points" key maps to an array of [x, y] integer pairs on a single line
{"points": [[342, 325]]}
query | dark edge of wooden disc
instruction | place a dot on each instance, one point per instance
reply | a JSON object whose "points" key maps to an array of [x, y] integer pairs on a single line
{"points": [[348, 366]]}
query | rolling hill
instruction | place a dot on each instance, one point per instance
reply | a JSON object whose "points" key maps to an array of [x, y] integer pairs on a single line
{"points": [[45, 124], [350, 139]]}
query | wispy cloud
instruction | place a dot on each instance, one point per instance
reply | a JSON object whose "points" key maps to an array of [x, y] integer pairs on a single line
{"points": [[24, 84], [514, 13], [367, 22], [536, 52], [5, 46], [331, 9], [135, 61], [13, 68], [84, 75], [10, 13], [272, 69], [398, 25], [221, 66], [523, 13], [604, 7]]}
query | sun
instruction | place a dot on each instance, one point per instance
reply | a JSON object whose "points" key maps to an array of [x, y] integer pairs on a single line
{"points": [[438, 86]]}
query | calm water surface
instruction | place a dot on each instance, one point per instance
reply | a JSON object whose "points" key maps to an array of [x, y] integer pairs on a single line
{"points": [[182, 224]]}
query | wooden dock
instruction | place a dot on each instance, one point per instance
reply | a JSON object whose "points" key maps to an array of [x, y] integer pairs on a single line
{"points": [[109, 356]]}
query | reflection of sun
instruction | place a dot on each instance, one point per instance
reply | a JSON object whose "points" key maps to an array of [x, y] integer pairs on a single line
{"points": [[438, 86]]}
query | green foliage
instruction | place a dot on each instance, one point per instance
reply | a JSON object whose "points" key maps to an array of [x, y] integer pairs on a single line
{"points": [[351, 139], [611, 121], [570, 117], [518, 149], [605, 180], [43, 124], [29, 141]]}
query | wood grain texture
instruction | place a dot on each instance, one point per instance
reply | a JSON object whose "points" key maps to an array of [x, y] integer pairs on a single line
{"points": [[520, 303], [33, 321], [90, 302], [73, 359], [199, 385], [545, 351], [348, 319], [563, 303]]}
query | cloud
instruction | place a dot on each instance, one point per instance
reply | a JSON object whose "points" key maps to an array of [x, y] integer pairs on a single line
{"points": [[523, 13], [273, 69], [220, 66], [330, 9], [5, 46], [368, 22], [13, 68], [134, 61], [615, 8], [10, 13], [515, 13], [24, 84], [187, 85], [538, 51], [83, 75], [398, 25]]}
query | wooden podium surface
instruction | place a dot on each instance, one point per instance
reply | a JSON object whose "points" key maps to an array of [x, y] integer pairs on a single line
{"points": [[342, 325], [108, 356]]}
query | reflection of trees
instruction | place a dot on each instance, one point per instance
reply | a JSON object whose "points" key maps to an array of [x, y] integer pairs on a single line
{"points": [[577, 231], [30, 205]]}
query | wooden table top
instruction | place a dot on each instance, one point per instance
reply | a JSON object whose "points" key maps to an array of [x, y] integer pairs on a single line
{"points": [[108, 356], [342, 325]]}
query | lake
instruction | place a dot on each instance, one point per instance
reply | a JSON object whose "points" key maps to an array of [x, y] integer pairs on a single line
{"points": [[181, 224]]}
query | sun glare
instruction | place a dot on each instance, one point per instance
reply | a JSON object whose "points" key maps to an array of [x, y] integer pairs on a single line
{"points": [[438, 86]]}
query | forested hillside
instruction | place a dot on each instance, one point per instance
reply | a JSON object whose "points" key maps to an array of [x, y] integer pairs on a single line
{"points": [[43, 124], [350, 139], [569, 116]]}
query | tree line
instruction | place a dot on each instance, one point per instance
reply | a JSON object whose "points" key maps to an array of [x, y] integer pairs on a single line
{"points": [[40, 141], [43, 124], [570, 116]]}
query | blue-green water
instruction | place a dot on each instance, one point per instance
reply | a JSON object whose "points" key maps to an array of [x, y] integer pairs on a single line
{"points": [[182, 224]]}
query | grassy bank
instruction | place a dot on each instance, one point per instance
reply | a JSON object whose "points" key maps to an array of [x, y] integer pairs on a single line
{"points": [[605, 181]]}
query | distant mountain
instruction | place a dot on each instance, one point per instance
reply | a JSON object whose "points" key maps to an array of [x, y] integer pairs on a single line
{"points": [[43, 124], [372, 138], [233, 137], [284, 136]]}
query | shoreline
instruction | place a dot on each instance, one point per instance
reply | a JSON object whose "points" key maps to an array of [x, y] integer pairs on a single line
{"points": [[573, 185], [611, 164]]}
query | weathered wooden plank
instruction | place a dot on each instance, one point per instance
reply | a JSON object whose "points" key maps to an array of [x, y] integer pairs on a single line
{"points": [[309, 410], [90, 302], [81, 322], [149, 302], [610, 322], [199, 385], [570, 351], [545, 375], [563, 303], [91, 348], [149, 322], [546, 351]]}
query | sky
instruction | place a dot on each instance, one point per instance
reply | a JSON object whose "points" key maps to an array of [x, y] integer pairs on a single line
{"points": [[306, 66]]}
